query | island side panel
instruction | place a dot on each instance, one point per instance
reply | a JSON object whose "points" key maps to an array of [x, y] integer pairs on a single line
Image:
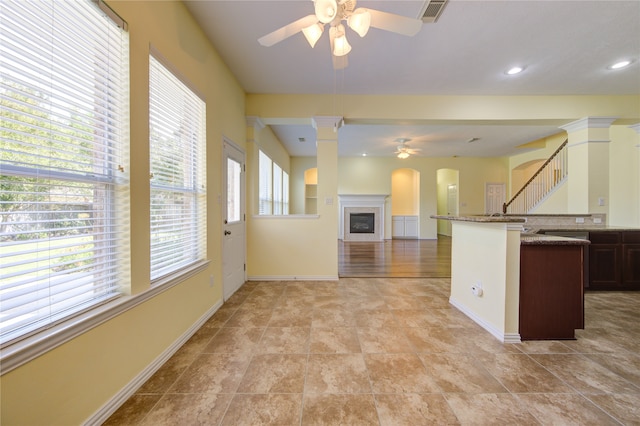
{"points": [[487, 255]]}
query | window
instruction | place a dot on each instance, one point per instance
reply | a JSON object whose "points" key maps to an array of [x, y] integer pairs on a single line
{"points": [[177, 163], [63, 160], [234, 182], [277, 189], [273, 197], [266, 188]]}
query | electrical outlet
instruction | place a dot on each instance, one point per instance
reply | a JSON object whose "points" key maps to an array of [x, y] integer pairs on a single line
{"points": [[597, 220], [579, 219], [476, 289], [211, 280]]}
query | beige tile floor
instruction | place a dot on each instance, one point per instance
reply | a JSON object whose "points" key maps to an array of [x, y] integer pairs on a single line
{"points": [[389, 351]]}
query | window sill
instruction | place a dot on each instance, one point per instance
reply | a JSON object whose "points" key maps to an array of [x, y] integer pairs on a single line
{"points": [[22, 351], [286, 216]]}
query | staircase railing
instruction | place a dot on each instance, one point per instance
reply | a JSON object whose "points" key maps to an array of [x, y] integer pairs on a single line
{"points": [[551, 174]]}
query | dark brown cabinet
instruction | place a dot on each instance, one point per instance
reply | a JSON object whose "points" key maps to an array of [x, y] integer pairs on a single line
{"points": [[551, 291], [614, 260], [631, 259], [605, 261]]}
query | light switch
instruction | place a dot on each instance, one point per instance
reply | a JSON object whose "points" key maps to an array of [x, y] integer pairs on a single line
{"points": [[328, 201]]}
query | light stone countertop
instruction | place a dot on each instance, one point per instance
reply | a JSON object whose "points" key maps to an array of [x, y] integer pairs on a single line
{"points": [[526, 238], [480, 218]]}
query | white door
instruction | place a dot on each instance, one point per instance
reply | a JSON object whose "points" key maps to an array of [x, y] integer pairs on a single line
{"points": [[495, 197], [233, 241]]}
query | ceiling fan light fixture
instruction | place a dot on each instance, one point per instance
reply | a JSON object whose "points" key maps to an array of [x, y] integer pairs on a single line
{"points": [[360, 21], [313, 33], [402, 155], [326, 10], [340, 44]]}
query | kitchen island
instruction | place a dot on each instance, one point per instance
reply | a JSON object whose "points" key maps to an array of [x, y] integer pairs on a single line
{"points": [[488, 286]]}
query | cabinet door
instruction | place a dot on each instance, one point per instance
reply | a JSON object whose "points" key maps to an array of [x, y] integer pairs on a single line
{"points": [[631, 265], [411, 227], [605, 266], [551, 291], [397, 226]]}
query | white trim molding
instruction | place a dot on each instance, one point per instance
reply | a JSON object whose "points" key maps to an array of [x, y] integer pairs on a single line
{"points": [[110, 407], [589, 123], [292, 278], [498, 334]]}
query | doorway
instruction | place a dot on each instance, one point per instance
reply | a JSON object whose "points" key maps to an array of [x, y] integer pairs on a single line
{"points": [[448, 190], [234, 231], [494, 197]]}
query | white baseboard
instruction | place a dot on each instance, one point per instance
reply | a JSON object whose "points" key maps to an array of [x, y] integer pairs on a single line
{"points": [[503, 337], [110, 407], [292, 278]]}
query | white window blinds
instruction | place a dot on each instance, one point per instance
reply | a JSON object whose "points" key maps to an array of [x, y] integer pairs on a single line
{"points": [[277, 189], [285, 193], [177, 155], [265, 196], [273, 194], [63, 159]]}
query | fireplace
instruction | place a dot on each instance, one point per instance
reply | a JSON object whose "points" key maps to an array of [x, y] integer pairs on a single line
{"points": [[362, 223], [362, 217]]}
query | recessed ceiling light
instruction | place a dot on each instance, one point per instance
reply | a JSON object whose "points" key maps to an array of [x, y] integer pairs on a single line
{"points": [[515, 70], [619, 65], [364, 154]]}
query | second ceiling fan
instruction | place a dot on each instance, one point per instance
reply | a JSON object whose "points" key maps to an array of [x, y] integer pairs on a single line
{"points": [[334, 12]]}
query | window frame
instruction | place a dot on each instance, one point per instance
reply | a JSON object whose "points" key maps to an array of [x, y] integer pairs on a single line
{"points": [[168, 261], [111, 179]]}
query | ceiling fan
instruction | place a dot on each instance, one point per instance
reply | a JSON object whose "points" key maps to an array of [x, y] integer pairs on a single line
{"points": [[334, 12], [403, 151]]}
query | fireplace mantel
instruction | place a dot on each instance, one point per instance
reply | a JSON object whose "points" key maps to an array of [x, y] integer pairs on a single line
{"points": [[362, 203]]}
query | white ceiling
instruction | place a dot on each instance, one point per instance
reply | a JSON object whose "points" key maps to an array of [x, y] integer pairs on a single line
{"points": [[565, 47]]}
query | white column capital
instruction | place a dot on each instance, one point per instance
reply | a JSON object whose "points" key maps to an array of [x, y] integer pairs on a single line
{"points": [[327, 121], [635, 127], [589, 123], [255, 122]]}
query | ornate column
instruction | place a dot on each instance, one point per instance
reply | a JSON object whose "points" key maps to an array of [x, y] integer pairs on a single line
{"points": [[327, 162], [588, 164]]}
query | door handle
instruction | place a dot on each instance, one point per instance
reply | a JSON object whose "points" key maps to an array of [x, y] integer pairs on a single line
{"points": [[227, 232]]}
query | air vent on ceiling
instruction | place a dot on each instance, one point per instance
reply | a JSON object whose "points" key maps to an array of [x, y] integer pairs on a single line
{"points": [[431, 10], [302, 140]]}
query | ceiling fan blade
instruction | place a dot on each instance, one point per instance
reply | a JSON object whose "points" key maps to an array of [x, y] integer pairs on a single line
{"points": [[395, 23], [287, 31]]}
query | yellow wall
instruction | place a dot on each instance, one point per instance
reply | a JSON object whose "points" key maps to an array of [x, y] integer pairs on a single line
{"points": [[298, 247], [70, 383], [624, 178], [405, 192]]}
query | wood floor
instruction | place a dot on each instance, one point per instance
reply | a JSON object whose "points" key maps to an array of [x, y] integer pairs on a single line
{"points": [[395, 258]]}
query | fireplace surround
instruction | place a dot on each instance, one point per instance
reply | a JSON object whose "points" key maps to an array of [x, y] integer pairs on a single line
{"points": [[362, 205]]}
